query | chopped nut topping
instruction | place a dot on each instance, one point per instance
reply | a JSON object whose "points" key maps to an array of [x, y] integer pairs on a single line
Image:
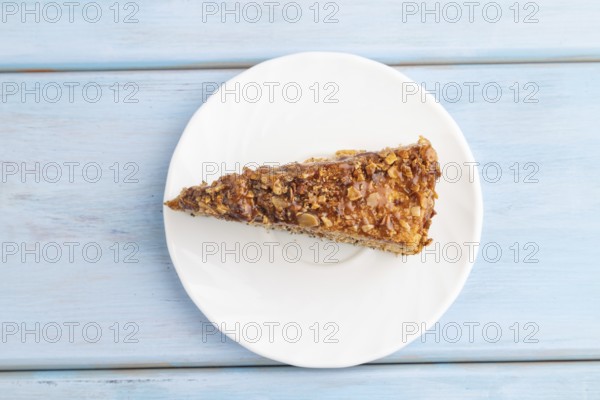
{"points": [[391, 158], [406, 170], [358, 174], [323, 197], [371, 168], [279, 202], [393, 172], [353, 194], [405, 225], [327, 221], [308, 220], [373, 199], [277, 187], [367, 228], [430, 155]]}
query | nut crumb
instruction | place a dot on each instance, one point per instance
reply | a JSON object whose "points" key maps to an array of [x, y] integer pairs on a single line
{"points": [[354, 194], [373, 199], [391, 158], [367, 228], [393, 172], [327, 222]]}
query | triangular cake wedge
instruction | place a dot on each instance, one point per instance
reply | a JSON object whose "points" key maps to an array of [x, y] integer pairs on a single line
{"points": [[383, 200]]}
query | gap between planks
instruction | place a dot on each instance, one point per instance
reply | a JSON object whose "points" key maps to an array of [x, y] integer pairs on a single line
{"points": [[373, 364], [236, 66]]}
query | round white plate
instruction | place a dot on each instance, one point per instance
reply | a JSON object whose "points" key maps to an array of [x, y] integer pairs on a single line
{"points": [[301, 300]]}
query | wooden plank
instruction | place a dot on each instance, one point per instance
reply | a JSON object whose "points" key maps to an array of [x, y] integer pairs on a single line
{"points": [[181, 34], [550, 304], [556, 380]]}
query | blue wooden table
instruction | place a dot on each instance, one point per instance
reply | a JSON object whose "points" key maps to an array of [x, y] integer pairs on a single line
{"points": [[94, 96]]}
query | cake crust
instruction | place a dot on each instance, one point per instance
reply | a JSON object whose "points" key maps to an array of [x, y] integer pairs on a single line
{"points": [[384, 200]]}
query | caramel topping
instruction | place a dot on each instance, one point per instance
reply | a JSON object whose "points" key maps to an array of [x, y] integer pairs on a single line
{"points": [[386, 196]]}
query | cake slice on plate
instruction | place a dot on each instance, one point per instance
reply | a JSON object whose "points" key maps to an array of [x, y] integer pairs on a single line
{"points": [[383, 200]]}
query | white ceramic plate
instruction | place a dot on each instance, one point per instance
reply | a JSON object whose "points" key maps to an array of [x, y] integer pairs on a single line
{"points": [[300, 300]]}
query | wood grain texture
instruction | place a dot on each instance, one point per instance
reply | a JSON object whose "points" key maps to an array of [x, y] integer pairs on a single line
{"points": [[559, 214], [425, 381], [183, 34]]}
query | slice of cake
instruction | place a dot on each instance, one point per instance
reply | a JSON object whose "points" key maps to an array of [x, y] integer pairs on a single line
{"points": [[383, 200]]}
